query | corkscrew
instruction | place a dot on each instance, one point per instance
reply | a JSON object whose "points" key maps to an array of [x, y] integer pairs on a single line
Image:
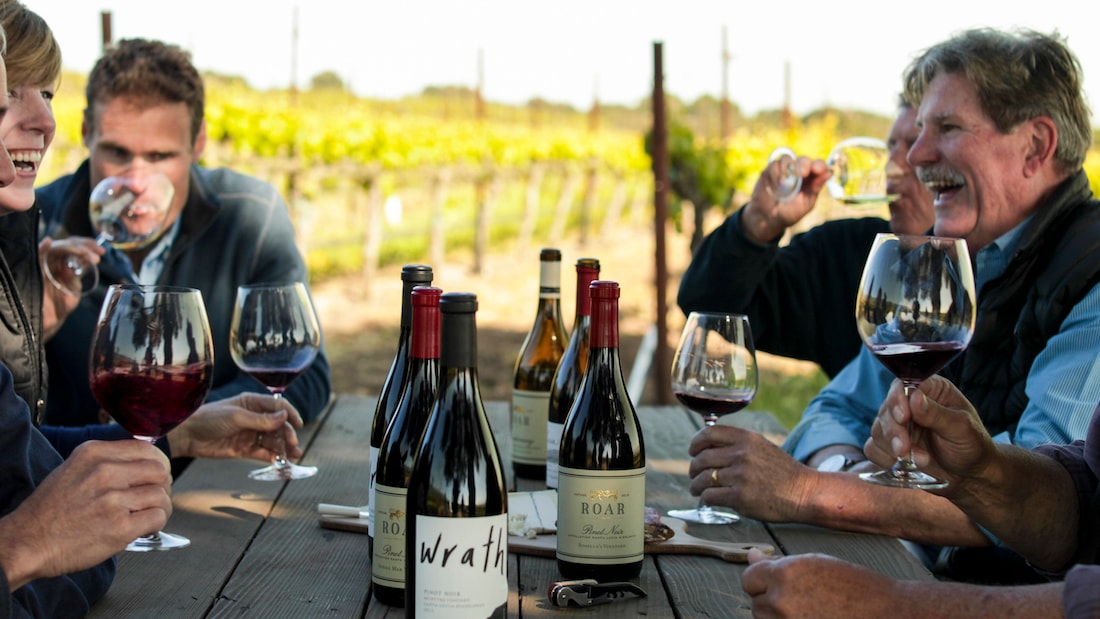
{"points": [[589, 592]]}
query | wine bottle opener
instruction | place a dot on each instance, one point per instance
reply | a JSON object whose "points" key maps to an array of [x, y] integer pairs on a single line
{"points": [[589, 592]]}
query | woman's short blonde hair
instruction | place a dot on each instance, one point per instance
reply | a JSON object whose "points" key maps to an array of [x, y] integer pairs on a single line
{"points": [[32, 55]]}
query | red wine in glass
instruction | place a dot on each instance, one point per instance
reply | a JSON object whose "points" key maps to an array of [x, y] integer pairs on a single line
{"points": [[274, 338], [152, 367], [714, 374], [915, 312], [916, 361], [711, 406]]}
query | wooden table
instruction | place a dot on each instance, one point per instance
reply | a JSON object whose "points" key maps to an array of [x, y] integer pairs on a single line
{"points": [[257, 549]]}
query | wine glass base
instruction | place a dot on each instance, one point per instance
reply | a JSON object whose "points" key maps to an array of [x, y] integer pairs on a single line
{"points": [[158, 541], [899, 477], [277, 472], [700, 516]]}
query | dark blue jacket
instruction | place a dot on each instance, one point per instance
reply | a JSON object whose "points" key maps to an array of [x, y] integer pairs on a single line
{"points": [[26, 458]]}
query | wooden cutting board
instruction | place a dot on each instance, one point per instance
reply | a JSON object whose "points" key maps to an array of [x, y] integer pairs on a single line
{"points": [[546, 545], [681, 543]]}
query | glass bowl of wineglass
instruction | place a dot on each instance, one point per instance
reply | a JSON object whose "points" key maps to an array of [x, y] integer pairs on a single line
{"points": [[274, 337], [152, 366], [127, 212], [857, 169], [915, 311], [714, 374]]}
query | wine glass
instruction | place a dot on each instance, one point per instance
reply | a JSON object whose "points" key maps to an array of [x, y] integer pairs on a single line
{"points": [[714, 374], [127, 212], [857, 167], [274, 337], [915, 312], [152, 366]]}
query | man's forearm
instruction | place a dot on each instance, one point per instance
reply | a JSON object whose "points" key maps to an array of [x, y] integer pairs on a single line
{"points": [[844, 501], [1028, 501]]}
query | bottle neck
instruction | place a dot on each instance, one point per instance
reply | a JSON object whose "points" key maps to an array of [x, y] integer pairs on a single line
{"points": [[604, 332], [459, 341], [585, 277], [406, 304], [425, 332], [550, 280]]}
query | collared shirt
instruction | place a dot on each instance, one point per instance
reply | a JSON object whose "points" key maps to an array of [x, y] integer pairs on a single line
{"points": [[1063, 385], [152, 265]]}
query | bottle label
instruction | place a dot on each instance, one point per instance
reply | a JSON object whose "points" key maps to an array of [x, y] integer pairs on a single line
{"points": [[461, 566], [529, 412], [388, 562], [601, 516], [370, 490], [553, 447]]}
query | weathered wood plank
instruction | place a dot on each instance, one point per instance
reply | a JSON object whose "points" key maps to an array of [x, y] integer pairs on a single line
{"points": [[220, 509], [281, 574]]}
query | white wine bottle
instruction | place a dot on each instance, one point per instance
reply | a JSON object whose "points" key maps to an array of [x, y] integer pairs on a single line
{"points": [[534, 372], [601, 470], [412, 275], [570, 372], [456, 544], [399, 445]]}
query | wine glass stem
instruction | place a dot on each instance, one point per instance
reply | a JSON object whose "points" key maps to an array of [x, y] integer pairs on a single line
{"points": [[908, 461], [280, 442], [704, 508]]}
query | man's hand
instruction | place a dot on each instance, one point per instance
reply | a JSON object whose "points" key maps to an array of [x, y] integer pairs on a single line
{"points": [[765, 219], [948, 438], [754, 476], [237, 427], [101, 498], [58, 303], [818, 586]]}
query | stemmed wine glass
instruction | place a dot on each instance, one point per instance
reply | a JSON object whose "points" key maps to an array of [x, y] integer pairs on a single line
{"points": [[857, 167], [127, 212], [915, 312], [714, 374], [152, 366], [275, 336]]}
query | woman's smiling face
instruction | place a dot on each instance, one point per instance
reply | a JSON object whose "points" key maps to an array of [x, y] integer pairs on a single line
{"points": [[27, 131]]}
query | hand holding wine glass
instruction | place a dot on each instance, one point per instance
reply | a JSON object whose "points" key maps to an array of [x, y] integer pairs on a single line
{"points": [[915, 312], [127, 212], [714, 374], [275, 337], [857, 169], [152, 366]]}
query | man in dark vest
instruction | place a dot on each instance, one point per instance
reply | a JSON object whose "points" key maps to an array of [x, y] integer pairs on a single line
{"points": [[1004, 133]]}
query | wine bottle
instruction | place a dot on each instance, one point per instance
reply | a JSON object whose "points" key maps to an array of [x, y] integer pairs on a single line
{"points": [[395, 456], [601, 471], [570, 370], [534, 372], [456, 544], [412, 275]]}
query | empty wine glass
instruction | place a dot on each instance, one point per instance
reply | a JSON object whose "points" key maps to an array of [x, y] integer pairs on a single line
{"points": [[127, 212], [857, 168], [274, 337], [152, 366], [915, 312], [714, 374]]}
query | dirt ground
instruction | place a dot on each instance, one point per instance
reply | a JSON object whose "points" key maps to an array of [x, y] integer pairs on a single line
{"points": [[361, 320]]}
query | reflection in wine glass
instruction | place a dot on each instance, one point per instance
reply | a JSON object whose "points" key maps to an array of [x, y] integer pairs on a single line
{"points": [[127, 212], [275, 337], [152, 366], [857, 168], [915, 312], [714, 374]]}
